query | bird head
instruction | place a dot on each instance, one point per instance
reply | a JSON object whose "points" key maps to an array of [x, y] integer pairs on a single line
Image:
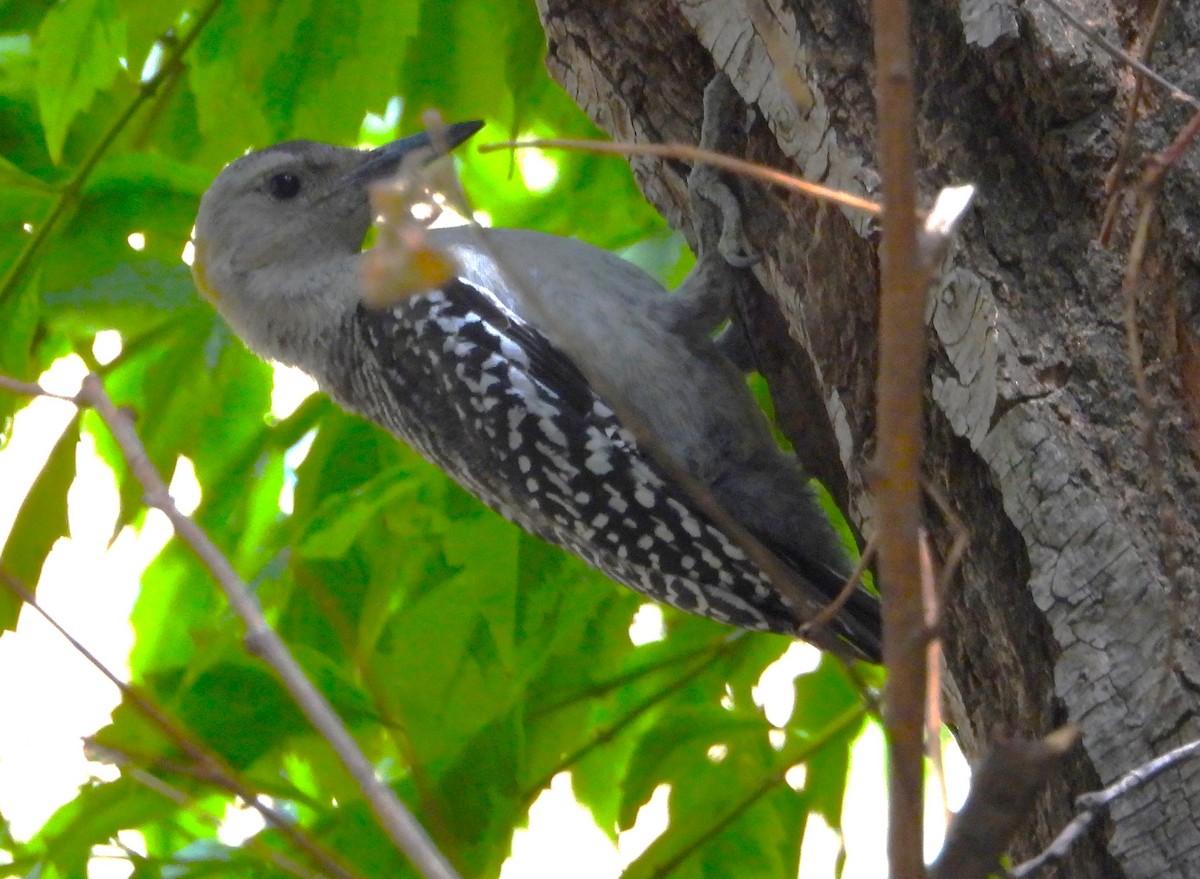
{"points": [[276, 225], [296, 203]]}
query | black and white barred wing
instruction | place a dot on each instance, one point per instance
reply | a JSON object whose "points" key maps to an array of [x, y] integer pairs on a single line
{"points": [[486, 397]]}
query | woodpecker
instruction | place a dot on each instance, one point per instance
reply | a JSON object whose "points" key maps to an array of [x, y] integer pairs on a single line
{"points": [[512, 405]]}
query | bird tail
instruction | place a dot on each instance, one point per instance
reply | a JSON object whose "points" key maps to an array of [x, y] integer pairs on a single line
{"points": [[859, 621]]}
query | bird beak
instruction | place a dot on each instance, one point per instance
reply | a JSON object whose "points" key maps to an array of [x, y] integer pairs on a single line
{"points": [[429, 145]]}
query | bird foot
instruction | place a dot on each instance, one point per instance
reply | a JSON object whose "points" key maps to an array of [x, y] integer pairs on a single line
{"points": [[716, 210], [704, 300]]}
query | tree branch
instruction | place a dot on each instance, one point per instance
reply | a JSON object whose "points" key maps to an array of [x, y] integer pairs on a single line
{"points": [[1003, 791], [1092, 804], [900, 399]]}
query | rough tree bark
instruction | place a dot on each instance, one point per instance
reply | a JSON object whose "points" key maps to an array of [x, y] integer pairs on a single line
{"points": [[1067, 606]]}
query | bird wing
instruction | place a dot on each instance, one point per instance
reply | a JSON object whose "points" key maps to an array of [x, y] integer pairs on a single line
{"points": [[517, 423]]}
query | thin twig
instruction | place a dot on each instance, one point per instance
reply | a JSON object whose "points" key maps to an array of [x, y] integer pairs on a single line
{"points": [[1121, 55], [688, 153], [618, 682], [30, 389], [830, 611], [185, 801], [394, 817], [1116, 174], [933, 673], [1093, 803], [381, 697], [954, 555], [1131, 287]]}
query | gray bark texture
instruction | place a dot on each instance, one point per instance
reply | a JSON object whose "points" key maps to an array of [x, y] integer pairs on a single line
{"points": [[1077, 597]]}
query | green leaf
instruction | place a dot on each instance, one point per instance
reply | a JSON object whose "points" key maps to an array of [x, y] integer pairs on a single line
{"points": [[526, 41], [678, 748], [13, 178], [19, 314], [456, 60], [23, 16], [177, 603], [41, 520], [351, 65], [484, 811], [22, 140], [347, 453], [336, 65], [79, 46], [445, 672], [333, 528], [353, 831], [134, 298], [93, 818], [238, 709], [732, 814], [626, 707], [206, 392], [822, 698], [151, 195]]}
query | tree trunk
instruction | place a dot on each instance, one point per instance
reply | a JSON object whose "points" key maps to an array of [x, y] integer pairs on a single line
{"points": [[1076, 598]]}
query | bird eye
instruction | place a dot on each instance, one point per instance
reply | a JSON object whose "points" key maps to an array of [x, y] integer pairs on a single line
{"points": [[284, 185]]}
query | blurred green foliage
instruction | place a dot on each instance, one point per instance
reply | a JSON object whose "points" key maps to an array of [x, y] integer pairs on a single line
{"points": [[472, 661]]}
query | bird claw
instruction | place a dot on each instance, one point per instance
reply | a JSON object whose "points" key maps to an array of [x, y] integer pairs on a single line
{"points": [[704, 299], [714, 202], [732, 244]]}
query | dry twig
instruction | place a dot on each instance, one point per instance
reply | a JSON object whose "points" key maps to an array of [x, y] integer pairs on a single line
{"points": [[688, 153], [1092, 804]]}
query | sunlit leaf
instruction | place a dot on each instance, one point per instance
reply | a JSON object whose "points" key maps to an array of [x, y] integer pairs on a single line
{"points": [[80, 45], [40, 522]]}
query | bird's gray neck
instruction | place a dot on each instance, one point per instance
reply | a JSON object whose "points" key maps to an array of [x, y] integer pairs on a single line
{"points": [[300, 318]]}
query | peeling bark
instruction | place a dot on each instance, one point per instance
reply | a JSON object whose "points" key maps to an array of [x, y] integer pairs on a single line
{"points": [[1064, 608]]}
